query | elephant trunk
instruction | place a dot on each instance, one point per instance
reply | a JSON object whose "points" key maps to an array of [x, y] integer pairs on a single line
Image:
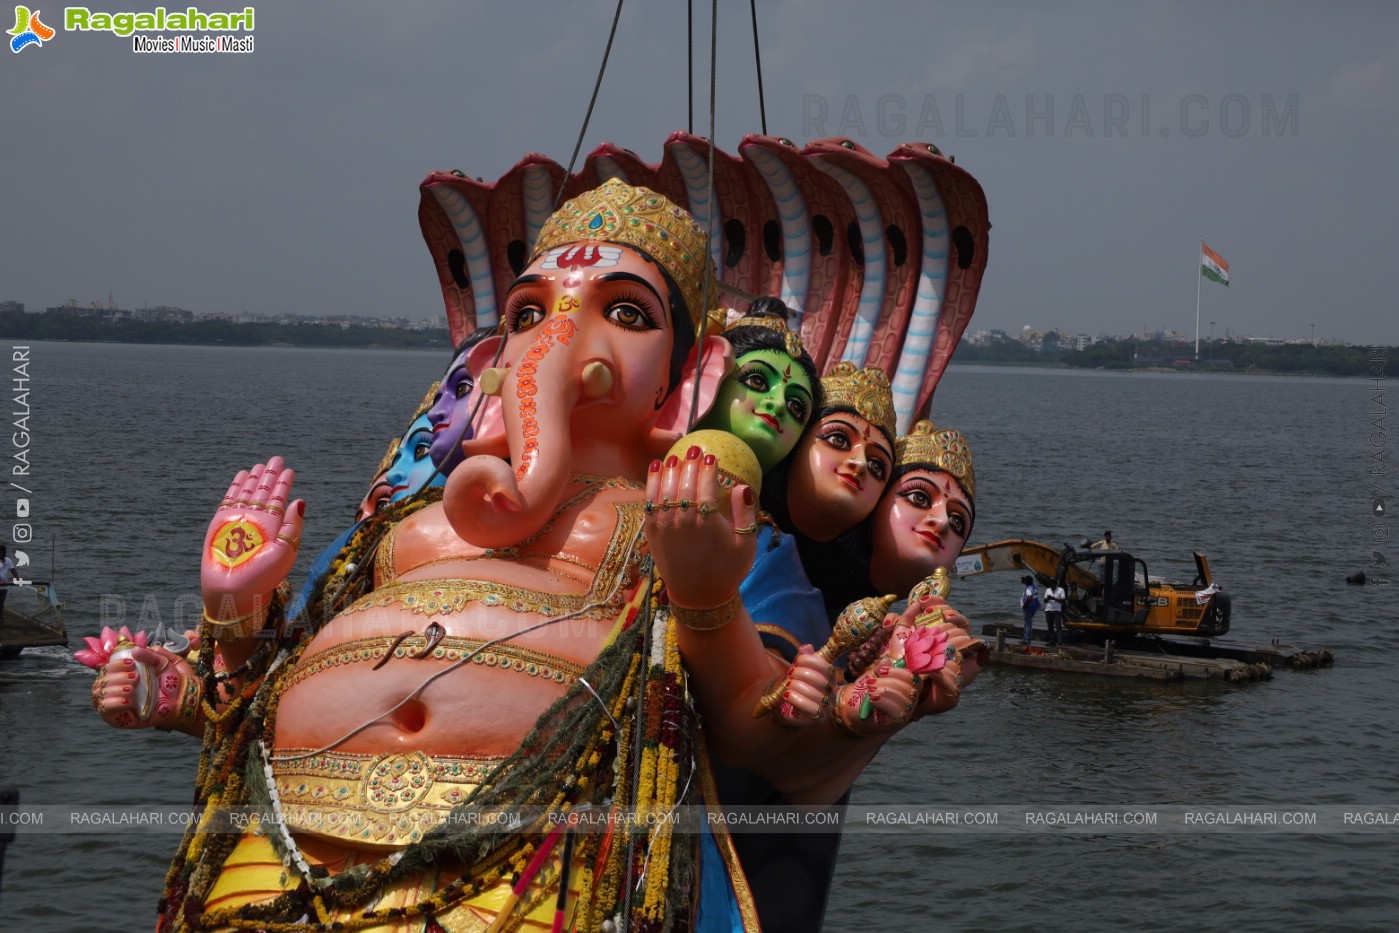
{"points": [[492, 504]]}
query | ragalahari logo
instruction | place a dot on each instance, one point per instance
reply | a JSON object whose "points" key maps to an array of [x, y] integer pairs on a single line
{"points": [[29, 30]]}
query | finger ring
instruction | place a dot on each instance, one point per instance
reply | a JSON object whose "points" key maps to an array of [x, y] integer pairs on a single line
{"points": [[704, 508], [747, 529], [294, 542], [684, 504], [275, 509], [666, 505], [649, 507]]}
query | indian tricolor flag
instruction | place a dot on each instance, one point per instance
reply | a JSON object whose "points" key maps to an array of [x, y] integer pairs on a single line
{"points": [[1213, 266]]}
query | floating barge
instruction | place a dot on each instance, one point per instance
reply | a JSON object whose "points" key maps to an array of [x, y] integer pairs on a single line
{"points": [[1158, 658], [32, 618]]}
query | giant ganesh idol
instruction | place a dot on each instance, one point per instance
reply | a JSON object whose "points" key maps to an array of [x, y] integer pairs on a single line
{"points": [[511, 644]]}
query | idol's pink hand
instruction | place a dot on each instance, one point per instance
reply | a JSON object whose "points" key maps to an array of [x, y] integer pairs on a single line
{"points": [[168, 676], [892, 691], [702, 552], [807, 690], [251, 543], [943, 690]]}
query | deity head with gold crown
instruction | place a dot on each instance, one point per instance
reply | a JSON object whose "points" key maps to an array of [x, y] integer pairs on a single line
{"points": [[618, 213], [926, 515], [844, 460]]}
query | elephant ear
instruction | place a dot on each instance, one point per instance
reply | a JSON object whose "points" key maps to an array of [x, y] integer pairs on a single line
{"points": [[488, 432], [673, 420]]}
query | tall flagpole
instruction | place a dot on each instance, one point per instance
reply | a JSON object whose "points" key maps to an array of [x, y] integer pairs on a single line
{"points": [[1198, 276]]}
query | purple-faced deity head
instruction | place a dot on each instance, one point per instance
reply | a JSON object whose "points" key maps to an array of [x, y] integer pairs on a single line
{"points": [[450, 414]]}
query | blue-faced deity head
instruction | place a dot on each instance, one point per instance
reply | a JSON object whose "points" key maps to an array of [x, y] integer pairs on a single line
{"points": [[412, 463]]}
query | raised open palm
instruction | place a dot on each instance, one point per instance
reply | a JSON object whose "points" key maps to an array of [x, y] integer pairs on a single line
{"points": [[252, 541]]}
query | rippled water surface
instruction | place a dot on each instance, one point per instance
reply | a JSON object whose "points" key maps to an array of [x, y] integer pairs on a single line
{"points": [[133, 446]]}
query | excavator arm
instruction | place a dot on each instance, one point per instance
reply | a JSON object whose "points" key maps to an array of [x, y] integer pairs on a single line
{"points": [[1043, 561]]}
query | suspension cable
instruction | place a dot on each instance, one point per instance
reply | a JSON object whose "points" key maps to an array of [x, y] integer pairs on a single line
{"points": [[758, 59], [708, 285], [582, 133], [690, 65]]}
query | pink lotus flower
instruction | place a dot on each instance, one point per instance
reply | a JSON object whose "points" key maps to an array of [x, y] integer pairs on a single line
{"points": [[924, 650], [99, 650]]}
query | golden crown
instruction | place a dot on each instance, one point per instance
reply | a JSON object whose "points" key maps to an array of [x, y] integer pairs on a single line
{"points": [[866, 391], [616, 212], [945, 450], [791, 340]]}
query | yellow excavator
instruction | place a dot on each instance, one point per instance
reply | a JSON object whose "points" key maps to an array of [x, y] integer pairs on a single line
{"points": [[1110, 591]]}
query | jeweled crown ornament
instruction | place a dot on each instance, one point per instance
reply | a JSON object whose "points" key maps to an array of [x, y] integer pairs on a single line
{"points": [[791, 340], [616, 212], [944, 450], [866, 391]]}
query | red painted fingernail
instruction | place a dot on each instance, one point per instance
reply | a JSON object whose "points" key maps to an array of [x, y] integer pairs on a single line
{"points": [[672, 460], [125, 689], [655, 466], [301, 508], [747, 495], [693, 453], [708, 459]]}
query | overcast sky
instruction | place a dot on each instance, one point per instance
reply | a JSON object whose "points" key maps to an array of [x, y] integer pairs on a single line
{"points": [[286, 180]]}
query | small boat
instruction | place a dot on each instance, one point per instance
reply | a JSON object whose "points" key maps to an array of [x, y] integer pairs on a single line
{"points": [[33, 618]]}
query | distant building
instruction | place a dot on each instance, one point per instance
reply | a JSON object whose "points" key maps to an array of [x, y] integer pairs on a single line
{"points": [[16, 306]]}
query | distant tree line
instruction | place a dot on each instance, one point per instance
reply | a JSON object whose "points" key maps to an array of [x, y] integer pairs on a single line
{"points": [[1299, 359], [1131, 353], [57, 325]]}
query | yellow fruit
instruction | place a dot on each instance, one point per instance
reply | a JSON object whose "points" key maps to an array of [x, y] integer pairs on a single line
{"points": [[737, 462]]}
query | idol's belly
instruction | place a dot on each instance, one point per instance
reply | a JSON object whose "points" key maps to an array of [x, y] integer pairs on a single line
{"points": [[467, 683]]}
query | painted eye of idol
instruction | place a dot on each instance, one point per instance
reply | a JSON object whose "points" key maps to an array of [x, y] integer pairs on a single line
{"points": [[524, 317], [842, 436], [464, 386], [922, 492], [633, 312], [419, 444]]}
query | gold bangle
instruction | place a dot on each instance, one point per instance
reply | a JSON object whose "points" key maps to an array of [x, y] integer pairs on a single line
{"points": [[708, 620], [233, 629]]}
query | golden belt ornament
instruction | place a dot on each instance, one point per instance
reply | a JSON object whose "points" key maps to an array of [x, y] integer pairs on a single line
{"points": [[390, 799]]}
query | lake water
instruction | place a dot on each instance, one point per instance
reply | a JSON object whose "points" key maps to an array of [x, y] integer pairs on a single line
{"points": [[132, 446]]}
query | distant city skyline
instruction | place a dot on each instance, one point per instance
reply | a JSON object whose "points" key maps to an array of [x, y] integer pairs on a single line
{"points": [[973, 335]]}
